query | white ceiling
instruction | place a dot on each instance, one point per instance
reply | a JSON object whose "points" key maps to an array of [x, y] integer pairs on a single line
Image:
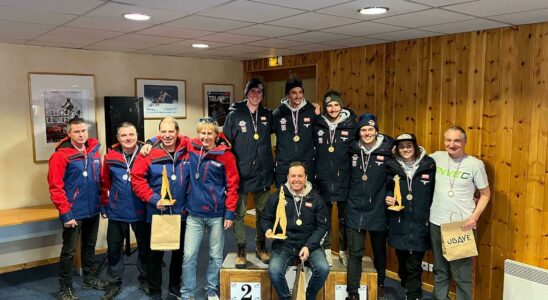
{"points": [[242, 29]]}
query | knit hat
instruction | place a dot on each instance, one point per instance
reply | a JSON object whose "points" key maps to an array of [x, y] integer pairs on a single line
{"points": [[253, 83], [368, 120], [331, 96], [293, 83]]}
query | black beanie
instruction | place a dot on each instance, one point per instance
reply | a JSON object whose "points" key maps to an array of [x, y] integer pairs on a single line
{"points": [[253, 83], [367, 120], [293, 83]]}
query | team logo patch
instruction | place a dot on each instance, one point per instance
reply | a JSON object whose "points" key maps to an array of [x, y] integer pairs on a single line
{"points": [[320, 140], [371, 123], [242, 126], [283, 121], [217, 164], [320, 132], [354, 160], [284, 127], [308, 204], [96, 161]]}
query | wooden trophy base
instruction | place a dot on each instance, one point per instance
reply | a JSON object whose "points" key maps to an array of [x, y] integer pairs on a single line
{"points": [[166, 202], [396, 208], [279, 236]]}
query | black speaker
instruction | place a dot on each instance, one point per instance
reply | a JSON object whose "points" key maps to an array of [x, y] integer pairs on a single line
{"points": [[119, 109]]}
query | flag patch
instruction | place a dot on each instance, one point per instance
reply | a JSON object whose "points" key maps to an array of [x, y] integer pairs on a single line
{"points": [[308, 204]]}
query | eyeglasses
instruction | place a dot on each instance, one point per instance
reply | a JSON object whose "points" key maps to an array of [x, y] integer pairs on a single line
{"points": [[208, 120]]}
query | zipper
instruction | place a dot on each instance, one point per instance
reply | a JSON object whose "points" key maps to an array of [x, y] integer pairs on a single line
{"points": [[74, 197], [214, 198]]}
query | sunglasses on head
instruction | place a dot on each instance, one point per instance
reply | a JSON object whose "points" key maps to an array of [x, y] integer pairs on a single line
{"points": [[207, 120]]}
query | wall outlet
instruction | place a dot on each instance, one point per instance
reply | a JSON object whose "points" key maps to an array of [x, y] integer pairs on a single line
{"points": [[431, 267], [424, 266]]}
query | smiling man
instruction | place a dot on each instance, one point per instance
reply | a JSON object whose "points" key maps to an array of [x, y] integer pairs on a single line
{"points": [[458, 176], [333, 133], [306, 227]]}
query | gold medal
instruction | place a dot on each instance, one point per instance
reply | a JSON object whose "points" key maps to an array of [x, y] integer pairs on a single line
{"points": [[256, 136], [299, 222], [364, 177], [331, 149], [296, 138]]}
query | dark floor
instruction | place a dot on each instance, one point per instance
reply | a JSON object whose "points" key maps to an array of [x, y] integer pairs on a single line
{"points": [[41, 283]]}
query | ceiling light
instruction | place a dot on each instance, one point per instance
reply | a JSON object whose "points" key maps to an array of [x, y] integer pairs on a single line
{"points": [[374, 10], [136, 17], [201, 46]]}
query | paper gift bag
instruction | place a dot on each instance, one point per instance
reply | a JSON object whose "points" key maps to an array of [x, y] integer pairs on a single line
{"points": [[299, 287], [457, 243], [165, 232]]}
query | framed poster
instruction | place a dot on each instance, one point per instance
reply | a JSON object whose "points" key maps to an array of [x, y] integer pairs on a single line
{"points": [[217, 100], [55, 98], [162, 97], [123, 109]]}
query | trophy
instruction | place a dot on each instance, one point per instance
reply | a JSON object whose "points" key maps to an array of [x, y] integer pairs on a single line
{"points": [[281, 218], [165, 190], [397, 196]]}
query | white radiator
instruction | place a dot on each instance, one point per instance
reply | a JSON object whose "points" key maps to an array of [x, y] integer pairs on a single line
{"points": [[522, 281]]}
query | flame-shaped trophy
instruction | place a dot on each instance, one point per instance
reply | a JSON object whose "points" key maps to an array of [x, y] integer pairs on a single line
{"points": [[165, 190], [397, 195], [281, 218]]}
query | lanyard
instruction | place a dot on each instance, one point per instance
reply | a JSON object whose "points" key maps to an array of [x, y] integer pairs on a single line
{"points": [[254, 121], [173, 175], [295, 119], [128, 163], [451, 193], [200, 160], [364, 166]]}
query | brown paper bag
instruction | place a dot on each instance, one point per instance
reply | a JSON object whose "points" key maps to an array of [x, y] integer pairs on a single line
{"points": [[457, 243], [165, 232], [299, 287]]}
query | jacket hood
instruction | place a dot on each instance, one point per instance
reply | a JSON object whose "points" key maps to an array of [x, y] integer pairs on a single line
{"points": [[345, 116], [118, 148], [222, 144], [307, 189], [285, 102], [422, 153]]}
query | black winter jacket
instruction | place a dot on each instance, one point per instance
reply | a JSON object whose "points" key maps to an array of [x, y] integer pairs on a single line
{"points": [[366, 208], [409, 229], [253, 157], [287, 150], [333, 168], [313, 215]]}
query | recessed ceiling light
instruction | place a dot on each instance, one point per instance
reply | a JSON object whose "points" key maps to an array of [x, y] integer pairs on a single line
{"points": [[136, 17], [201, 46], [374, 10]]}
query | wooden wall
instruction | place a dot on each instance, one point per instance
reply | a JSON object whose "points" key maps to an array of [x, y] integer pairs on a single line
{"points": [[494, 83]]}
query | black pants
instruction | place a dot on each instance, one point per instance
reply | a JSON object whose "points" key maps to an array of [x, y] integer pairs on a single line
{"points": [[410, 272], [155, 260], [341, 213], [356, 247], [88, 228], [116, 233]]}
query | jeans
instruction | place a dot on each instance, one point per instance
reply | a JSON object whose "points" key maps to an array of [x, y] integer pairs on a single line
{"points": [[116, 233], [155, 260], [461, 270], [341, 213], [260, 199], [282, 256], [88, 228], [356, 246], [195, 227], [410, 272]]}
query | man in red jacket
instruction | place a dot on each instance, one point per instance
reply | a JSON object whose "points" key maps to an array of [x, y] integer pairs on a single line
{"points": [[74, 176]]}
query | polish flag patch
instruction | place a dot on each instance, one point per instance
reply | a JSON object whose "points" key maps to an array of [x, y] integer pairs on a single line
{"points": [[308, 204], [380, 157], [425, 176], [307, 119], [345, 133]]}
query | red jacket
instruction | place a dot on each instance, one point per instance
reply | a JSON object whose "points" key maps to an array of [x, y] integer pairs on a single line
{"points": [[76, 196]]}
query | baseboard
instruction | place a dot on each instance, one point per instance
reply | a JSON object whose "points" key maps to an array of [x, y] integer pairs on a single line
{"points": [[43, 262]]}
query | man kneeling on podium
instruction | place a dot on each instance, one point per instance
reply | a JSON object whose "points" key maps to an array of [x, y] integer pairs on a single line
{"points": [[306, 226]]}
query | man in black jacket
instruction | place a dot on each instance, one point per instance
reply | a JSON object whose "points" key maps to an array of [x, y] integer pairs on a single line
{"points": [[247, 128], [306, 217], [292, 124], [333, 133], [366, 209]]}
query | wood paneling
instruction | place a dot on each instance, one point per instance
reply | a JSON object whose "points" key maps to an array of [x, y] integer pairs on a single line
{"points": [[494, 84]]}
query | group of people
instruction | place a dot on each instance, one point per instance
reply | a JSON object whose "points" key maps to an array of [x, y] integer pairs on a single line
{"points": [[321, 161]]}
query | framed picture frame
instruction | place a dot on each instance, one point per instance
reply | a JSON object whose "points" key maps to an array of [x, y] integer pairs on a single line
{"points": [[162, 97], [55, 98], [217, 100]]}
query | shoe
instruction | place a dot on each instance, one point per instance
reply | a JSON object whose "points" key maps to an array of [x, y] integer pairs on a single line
{"points": [[67, 293], [353, 297], [343, 258], [241, 260], [144, 286], [380, 292], [174, 293], [261, 252], [112, 291], [92, 282], [328, 257], [212, 295]]}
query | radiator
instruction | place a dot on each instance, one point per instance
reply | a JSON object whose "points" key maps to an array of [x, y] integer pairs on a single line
{"points": [[522, 281]]}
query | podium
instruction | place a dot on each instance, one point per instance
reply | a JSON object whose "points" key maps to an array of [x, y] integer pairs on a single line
{"points": [[253, 282]]}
